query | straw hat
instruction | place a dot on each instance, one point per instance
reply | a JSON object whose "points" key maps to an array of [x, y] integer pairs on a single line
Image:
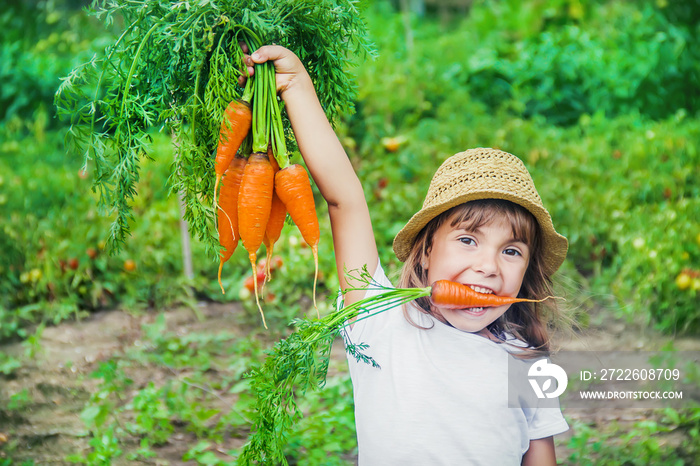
{"points": [[483, 174]]}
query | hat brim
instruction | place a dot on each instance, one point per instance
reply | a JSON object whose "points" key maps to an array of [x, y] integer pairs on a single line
{"points": [[555, 244]]}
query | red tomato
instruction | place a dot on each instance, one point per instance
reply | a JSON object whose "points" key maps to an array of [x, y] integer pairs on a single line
{"points": [[277, 262], [249, 284]]}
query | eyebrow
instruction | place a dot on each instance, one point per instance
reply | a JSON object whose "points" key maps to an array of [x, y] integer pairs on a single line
{"points": [[464, 225]]}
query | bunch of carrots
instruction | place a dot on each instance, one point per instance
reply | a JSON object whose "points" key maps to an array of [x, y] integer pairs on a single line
{"points": [[259, 186]]}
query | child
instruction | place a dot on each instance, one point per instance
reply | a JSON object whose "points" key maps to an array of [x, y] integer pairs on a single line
{"points": [[439, 396]]}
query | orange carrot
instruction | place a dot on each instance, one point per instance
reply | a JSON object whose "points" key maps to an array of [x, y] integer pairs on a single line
{"points": [[294, 189], [254, 204], [227, 213], [278, 213], [272, 159], [452, 295], [234, 128]]}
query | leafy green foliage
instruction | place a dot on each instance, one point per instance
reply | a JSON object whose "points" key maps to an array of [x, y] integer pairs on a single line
{"points": [[8, 364], [56, 266], [99, 415], [326, 434], [39, 42], [550, 59], [638, 234], [641, 62]]}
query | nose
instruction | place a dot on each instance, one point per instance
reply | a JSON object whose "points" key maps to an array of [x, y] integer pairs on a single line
{"points": [[486, 262]]}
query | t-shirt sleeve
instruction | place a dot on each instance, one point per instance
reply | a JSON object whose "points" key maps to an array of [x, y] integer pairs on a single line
{"points": [[544, 417], [546, 422]]}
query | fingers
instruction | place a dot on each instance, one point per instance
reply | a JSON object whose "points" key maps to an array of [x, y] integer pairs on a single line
{"points": [[250, 65], [259, 56], [283, 58], [269, 52]]}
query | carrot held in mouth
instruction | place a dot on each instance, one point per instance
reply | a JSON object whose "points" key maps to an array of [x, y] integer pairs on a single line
{"points": [[448, 294]]}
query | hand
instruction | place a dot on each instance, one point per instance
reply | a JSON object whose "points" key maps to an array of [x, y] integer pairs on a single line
{"points": [[288, 68]]}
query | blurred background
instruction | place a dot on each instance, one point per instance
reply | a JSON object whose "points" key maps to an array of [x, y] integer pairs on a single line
{"points": [[599, 98]]}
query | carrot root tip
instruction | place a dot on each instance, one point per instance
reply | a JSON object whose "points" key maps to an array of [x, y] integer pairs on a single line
{"points": [[253, 260], [314, 249], [216, 187], [221, 266]]}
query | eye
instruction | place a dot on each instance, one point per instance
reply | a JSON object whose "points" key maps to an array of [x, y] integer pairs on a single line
{"points": [[512, 252], [467, 240]]}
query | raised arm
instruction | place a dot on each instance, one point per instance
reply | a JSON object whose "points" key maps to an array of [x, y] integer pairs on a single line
{"points": [[353, 238]]}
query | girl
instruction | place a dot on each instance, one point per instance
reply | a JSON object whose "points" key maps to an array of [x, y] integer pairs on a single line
{"points": [[440, 396]]}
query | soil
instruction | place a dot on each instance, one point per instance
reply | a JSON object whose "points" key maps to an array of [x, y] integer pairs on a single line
{"points": [[49, 428]]}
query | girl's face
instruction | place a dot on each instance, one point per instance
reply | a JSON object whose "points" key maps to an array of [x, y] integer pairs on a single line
{"points": [[487, 258]]}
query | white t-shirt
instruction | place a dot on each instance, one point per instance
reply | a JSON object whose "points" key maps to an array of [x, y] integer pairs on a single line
{"points": [[440, 396]]}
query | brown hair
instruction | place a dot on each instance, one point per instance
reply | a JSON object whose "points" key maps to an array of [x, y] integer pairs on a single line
{"points": [[525, 321]]}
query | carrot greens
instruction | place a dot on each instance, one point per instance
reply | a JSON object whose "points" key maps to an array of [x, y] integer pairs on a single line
{"points": [[174, 67]]}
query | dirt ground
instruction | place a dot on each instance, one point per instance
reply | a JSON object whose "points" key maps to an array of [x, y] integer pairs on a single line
{"points": [[50, 428], [59, 385]]}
